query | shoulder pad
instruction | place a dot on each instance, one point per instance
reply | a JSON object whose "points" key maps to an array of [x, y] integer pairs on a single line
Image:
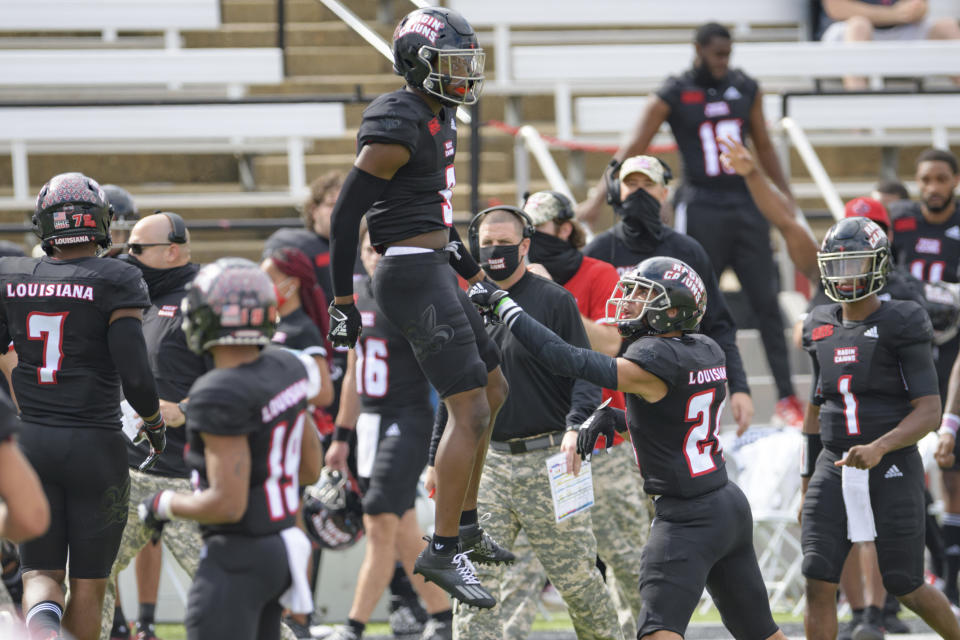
{"points": [[908, 322], [398, 104], [654, 355], [819, 324]]}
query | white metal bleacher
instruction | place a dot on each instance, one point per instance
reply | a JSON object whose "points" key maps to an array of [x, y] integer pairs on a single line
{"points": [[54, 70], [586, 69], [170, 128], [108, 17]]}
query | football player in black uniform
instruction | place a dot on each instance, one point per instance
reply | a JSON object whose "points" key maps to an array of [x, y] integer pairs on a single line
{"points": [[75, 323], [402, 181], [246, 425], [875, 395], [386, 401], [675, 384]]}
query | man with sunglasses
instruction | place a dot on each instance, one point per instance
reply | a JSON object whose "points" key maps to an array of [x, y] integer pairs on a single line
{"points": [[159, 246]]}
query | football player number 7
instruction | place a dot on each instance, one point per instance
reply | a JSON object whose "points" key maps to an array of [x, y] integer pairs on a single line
{"points": [[49, 328]]}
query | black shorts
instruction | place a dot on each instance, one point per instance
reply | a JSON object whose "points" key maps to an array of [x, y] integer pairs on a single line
{"points": [[390, 460], [418, 293], [897, 498], [235, 593], [85, 478], [700, 542]]}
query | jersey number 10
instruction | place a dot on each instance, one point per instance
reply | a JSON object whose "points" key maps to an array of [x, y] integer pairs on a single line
{"points": [[711, 148]]}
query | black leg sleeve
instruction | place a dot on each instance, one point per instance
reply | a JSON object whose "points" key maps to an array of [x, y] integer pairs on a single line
{"points": [[439, 425], [129, 353]]}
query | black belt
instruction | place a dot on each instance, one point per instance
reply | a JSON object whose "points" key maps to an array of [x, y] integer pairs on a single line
{"points": [[529, 444]]}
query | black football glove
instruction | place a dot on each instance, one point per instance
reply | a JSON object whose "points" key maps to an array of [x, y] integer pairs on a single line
{"points": [[602, 422], [155, 432], [492, 301], [154, 513], [345, 325]]}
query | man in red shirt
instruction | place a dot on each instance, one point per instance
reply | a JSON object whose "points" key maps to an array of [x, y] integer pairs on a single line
{"points": [[619, 513]]}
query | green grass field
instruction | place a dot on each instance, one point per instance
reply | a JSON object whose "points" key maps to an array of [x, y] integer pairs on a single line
{"points": [[558, 622]]}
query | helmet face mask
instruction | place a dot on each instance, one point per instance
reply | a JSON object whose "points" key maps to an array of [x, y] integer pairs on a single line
{"points": [[853, 260], [660, 295], [333, 511], [436, 51]]}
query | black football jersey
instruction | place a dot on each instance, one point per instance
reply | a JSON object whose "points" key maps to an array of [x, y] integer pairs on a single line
{"points": [[699, 115], [297, 331], [389, 379], [56, 313], [861, 386], [417, 200], [930, 252], [676, 438], [266, 401]]}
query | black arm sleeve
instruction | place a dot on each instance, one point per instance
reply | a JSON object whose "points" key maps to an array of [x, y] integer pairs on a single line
{"points": [[583, 400], [129, 353], [439, 425], [562, 358], [919, 372], [465, 265], [360, 190], [816, 396]]}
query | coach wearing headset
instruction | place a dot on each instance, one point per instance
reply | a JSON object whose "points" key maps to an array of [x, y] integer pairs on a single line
{"points": [[538, 420], [637, 189]]}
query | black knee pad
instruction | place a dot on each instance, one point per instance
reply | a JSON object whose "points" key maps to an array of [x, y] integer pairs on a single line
{"points": [[820, 567], [900, 583]]}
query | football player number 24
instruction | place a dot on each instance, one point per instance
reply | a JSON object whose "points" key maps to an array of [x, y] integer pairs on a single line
{"points": [[700, 445], [47, 327]]}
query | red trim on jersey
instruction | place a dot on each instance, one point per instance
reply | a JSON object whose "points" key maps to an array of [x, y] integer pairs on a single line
{"points": [[905, 224], [821, 332], [692, 96]]}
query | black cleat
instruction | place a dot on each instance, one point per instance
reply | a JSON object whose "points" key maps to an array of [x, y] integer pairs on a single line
{"points": [[482, 548], [455, 574], [870, 628]]}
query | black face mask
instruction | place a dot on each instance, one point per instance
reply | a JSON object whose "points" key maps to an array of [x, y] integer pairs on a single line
{"points": [[161, 281], [642, 227], [558, 256], [500, 261]]}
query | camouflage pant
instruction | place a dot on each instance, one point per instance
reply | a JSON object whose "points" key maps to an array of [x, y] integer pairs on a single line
{"points": [[181, 537], [515, 491], [621, 524]]}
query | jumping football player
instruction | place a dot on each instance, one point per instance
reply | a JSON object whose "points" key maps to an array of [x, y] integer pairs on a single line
{"points": [[402, 181]]}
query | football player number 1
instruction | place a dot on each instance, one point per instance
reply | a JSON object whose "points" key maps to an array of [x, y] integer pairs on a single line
{"points": [[700, 445], [282, 486], [47, 327], [844, 385]]}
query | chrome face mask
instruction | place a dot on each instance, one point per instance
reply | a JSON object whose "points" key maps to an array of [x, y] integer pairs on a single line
{"points": [[456, 75]]}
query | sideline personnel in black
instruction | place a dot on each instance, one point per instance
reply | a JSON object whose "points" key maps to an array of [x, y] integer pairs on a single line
{"points": [[538, 420], [159, 246], [636, 193]]}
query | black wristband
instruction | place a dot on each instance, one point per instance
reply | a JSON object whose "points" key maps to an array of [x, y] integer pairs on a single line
{"points": [[341, 434], [812, 446]]}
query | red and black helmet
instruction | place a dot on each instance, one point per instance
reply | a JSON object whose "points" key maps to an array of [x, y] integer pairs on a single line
{"points": [[657, 296], [333, 511], [72, 209], [853, 259], [436, 50], [230, 302]]}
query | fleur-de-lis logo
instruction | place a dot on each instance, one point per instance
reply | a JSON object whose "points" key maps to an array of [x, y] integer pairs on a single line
{"points": [[426, 336]]}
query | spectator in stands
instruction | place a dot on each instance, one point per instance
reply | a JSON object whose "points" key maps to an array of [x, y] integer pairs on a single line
{"points": [[885, 20], [890, 190], [713, 205], [637, 193]]}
